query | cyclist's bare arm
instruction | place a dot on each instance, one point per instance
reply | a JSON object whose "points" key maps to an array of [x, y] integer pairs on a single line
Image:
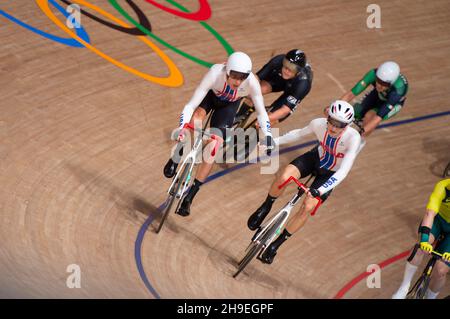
{"points": [[295, 135], [258, 101], [371, 125], [348, 96], [428, 219]]}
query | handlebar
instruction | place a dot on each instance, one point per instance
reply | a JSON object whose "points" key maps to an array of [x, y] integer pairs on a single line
{"points": [[306, 189], [211, 136]]}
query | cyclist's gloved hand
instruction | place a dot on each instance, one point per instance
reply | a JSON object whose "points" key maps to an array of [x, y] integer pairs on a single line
{"points": [[426, 247], [314, 192], [269, 144], [446, 257]]}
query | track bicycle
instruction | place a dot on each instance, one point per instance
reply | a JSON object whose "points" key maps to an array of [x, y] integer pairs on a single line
{"points": [[267, 232]]}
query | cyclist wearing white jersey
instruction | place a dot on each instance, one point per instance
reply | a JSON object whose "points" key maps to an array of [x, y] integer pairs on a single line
{"points": [[330, 162], [221, 91]]}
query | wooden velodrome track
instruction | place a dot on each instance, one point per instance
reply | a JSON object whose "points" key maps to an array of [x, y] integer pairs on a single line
{"points": [[83, 143]]}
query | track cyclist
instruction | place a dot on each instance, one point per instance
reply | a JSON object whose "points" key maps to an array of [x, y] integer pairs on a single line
{"points": [[384, 101], [435, 223], [221, 91], [330, 161], [290, 73]]}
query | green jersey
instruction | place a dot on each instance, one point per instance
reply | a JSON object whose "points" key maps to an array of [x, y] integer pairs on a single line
{"points": [[395, 94]]}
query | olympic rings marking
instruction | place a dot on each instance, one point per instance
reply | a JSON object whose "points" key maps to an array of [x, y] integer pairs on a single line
{"points": [[227, 47], [204, 13], [81, 39], [131, 31], [67, 41], [175, 77]]}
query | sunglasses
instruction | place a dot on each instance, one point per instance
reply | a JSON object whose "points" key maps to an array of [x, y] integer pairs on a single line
{"points": [[238, 75], [335, 123], [382, 83]]}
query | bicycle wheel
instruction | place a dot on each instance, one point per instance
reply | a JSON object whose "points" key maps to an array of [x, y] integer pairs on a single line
{"points": [[257, 246], [446, 171], [420, 287], [172, 196], [252, 252]]}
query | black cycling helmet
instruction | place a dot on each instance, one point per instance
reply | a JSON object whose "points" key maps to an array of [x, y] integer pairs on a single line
{"points": [[296, 57]]}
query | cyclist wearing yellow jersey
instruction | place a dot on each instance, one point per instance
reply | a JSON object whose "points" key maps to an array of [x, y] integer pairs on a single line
{"points": [[436, 223]]}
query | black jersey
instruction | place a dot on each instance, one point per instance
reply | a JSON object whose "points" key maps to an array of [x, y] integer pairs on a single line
{"points": [[294, 89]]}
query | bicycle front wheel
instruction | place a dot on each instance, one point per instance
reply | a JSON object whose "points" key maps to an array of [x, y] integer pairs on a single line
{"points": [[172, 196], [419, 289], [446, 171], [256, 247]]}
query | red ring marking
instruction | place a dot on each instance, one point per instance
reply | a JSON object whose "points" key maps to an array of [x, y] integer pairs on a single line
{"points": [[360, 277], [204, 13]]}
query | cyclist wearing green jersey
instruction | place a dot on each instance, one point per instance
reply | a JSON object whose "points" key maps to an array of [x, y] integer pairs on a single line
{"points": [[384, 100], [435, 224]]}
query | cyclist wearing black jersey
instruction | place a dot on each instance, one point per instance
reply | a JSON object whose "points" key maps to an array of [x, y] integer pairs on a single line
{"points": [[289, 73]]}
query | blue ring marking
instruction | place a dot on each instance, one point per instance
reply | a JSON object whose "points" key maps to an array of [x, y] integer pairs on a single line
{"points": [[144, 227], [66, 41]]}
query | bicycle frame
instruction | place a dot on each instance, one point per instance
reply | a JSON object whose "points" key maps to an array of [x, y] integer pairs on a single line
{"points": [[190, 160], [285, 212]]}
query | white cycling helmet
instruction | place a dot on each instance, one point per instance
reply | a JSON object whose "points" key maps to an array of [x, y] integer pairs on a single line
{"points": [[239, 62], [388, 72], [341, 111]]}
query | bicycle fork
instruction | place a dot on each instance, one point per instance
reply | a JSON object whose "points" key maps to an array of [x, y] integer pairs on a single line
{"points": [[189, 160]]}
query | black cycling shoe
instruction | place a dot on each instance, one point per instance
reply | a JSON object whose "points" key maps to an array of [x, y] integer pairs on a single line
{"points": [[170, 168], [185, 208], [269, 254], [257, 217], [256, 233]]}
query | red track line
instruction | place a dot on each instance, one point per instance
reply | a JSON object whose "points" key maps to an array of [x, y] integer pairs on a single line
{"points": [[360, 277]]}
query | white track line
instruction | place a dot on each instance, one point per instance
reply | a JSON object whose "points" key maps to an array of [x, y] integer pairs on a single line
{"points": [[339, 84]]}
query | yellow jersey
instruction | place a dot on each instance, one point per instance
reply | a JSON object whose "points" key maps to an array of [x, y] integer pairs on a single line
{"points": [[440, 199]]}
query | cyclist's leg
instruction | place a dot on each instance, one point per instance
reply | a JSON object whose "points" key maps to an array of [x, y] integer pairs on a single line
{"points": [[278, 104], [208, 104], [441, 269], [414, 262], [368, 102], [302, 166], [299, 219], [438, 278], [266, 87]]}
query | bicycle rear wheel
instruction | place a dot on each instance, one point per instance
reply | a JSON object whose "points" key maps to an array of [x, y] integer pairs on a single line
{"points": [[172, 196]]}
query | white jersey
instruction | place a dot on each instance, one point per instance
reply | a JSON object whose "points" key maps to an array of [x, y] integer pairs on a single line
{"points": [[336, 153], [216, 80]]}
